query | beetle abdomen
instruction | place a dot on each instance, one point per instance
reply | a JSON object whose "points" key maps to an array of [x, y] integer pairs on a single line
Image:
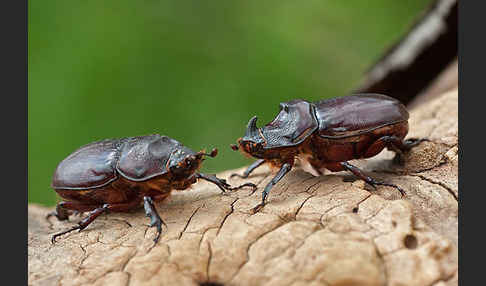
{"points": [[355, 147], [357, 114], [90, 166], [118, 191]]}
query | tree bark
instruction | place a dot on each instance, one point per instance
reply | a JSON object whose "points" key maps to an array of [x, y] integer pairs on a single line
{"points": [[326, 230]]}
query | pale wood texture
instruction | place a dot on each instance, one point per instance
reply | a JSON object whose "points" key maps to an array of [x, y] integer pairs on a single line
{"points": [[327, 230]]}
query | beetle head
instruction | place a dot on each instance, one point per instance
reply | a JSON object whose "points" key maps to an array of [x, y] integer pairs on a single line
{"points": [[253, 142], [185, 162], [295, 122]]}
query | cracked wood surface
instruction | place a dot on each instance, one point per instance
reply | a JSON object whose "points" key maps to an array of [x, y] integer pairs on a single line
{"points": [[327, 230]]}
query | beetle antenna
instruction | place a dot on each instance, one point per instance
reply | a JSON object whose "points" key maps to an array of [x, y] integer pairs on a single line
{"points": [[213, 153], [234, 147]]}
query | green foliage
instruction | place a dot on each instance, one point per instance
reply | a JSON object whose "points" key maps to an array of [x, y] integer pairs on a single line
{"points": [[193, 70]]}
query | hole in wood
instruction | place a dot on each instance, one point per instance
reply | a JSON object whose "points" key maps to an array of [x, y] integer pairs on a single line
{"points": [[210, 284], [410, 241]]}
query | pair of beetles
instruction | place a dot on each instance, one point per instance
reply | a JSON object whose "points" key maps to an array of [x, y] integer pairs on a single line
{"points": [[122, 174]]}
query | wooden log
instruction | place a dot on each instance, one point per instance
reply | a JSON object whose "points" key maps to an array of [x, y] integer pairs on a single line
{"points": [[327, 230]]}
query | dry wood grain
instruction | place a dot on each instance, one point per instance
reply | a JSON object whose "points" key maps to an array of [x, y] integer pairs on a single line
{"points": [[327, 230]]}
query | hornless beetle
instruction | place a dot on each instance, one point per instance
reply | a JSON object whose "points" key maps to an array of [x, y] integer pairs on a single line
{"points": [[120, 174]]}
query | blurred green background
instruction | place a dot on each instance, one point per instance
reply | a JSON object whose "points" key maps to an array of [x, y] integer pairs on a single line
{"points": [[196, 71]]}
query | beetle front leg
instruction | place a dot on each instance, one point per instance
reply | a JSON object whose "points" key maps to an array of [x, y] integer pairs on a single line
{"points": [[250, 169], [281, 173], [151, 212], [221, 183], [372, 182]]}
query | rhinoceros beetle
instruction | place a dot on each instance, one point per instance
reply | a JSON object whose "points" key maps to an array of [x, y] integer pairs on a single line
{"points": [[120, 174], [326, 134]]}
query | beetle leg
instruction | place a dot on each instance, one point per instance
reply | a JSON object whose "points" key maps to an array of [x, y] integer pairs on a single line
{"points": [[60, 213], [83, 223], [221, 183], [95, 212], [412, 142], [372, 182], [281, 173], [250, 169], [65, 208], [152, 213], [393, 143], [402, 145]]}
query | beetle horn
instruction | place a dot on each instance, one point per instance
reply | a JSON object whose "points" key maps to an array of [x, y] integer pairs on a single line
{"points": [[252, 129]]}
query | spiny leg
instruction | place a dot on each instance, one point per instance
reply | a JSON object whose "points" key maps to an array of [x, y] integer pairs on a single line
{"points": [[250, 169], [60, 213], [96, 211], [401, 146], [393, 143], [151, 212], [281, 173], [412, 142], [372, 182], [83, 223], [66, 208], [221, 183]]}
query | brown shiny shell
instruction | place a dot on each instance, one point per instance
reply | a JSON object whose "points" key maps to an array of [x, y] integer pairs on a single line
{"points": [[333, 118], [353, 115], [142, 158], [99, 163], [293, 124]]}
